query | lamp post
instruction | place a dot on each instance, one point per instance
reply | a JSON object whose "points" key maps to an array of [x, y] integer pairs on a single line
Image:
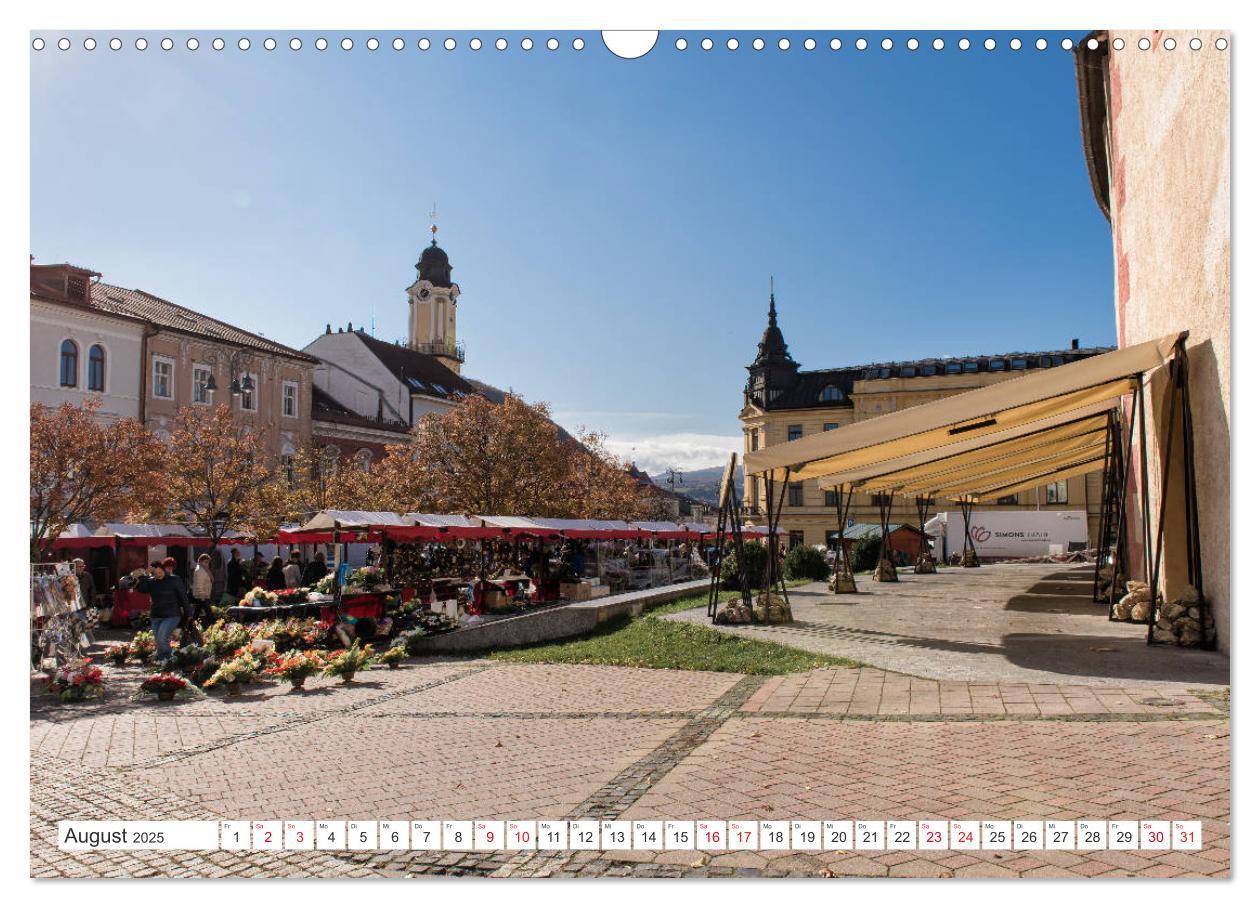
{"points": [[238, 386]]}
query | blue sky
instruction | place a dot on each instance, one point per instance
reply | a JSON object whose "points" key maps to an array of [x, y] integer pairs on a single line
{"points": [[613, 224]]}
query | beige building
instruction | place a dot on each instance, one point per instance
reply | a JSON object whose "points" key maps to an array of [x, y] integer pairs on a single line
{"points": [[783, 402], [146, 357], [1156, 127]]}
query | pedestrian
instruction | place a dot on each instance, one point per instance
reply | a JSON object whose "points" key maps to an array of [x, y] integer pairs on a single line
{"points": [[199, 596], [257, 570], [87, 585], [167, 599], [236, 575], [316, 570], [275, 574], [293, 570], [218, 574]]}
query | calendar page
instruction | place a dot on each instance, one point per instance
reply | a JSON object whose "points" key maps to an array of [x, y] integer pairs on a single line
{"points": [[510, 448]]}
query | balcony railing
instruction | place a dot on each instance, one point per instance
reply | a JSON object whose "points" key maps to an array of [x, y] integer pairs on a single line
{"points": [[443, 348]]}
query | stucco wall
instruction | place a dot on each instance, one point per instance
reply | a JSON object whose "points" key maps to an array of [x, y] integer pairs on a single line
{"points": [[52, 323], [1170, 191]]}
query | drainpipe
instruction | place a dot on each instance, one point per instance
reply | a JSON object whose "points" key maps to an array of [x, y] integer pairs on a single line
{"points": [[149, 332]]}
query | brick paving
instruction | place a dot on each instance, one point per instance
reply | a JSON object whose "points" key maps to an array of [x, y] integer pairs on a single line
{"points": [[473, 739]]}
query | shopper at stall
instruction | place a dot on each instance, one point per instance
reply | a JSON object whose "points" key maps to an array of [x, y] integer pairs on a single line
{"points": [[200, 595], [167, 598], [275, 574], [293, 570], [87, 586], [236, 575], [316, 570], [218, 576]]}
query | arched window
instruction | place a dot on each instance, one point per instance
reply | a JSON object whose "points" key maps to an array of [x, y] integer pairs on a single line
{"points": [[69, 364], [96, 368], [363, 460], [328, 460], [829, 393]]}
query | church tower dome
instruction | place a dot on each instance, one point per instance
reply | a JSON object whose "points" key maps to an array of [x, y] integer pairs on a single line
{"points": [[433, 300]]}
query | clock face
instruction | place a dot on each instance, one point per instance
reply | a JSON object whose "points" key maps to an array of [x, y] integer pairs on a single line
{"points": [[424, 294]]}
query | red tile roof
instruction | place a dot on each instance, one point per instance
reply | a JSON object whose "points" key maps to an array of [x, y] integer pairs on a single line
{"points": [[165, 314]]}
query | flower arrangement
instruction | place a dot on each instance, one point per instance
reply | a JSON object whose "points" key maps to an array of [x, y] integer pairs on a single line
{"points": [[365, 578], [205, 671], [186, 658], [260, 598], [394, 656], [119, 653], [77, 681], [292, 595], [326, 584], [242, 668], [290, 633], [296, 667], [143, 646], [345, 662], [166, 685], [225, 636]]}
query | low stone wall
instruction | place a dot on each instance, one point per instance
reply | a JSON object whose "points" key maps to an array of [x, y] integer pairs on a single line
{"points": [[559, 623]]}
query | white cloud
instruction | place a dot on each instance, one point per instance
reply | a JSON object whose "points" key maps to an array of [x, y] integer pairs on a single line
{"points": [[681, 451]]}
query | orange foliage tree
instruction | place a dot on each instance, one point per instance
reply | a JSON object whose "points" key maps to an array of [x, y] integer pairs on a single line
{"points": [[83, 468], [508, 458], [215, 477]]}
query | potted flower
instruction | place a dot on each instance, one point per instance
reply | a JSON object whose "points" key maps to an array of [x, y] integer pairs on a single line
{"points": [[346, 662], [119, 653], [394, 656], [324, 586], [296, 667], [225, 636], [242, 669], [166, 685], [143, 646], [77, 681]]}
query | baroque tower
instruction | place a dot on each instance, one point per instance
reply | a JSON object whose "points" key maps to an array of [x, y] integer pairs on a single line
{"points": [[433, 299]]}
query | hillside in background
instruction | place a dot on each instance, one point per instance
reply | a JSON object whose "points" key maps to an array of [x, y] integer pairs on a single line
{"points": [[701, 485]]}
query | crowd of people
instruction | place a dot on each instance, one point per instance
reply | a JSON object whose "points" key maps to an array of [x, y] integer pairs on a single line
{"points": [[176, 605]]}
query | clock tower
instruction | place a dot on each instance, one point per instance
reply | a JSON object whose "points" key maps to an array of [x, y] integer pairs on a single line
{"points": [[432, 300]]}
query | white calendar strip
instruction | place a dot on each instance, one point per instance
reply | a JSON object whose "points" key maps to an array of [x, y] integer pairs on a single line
{"points": [[637, 835]]}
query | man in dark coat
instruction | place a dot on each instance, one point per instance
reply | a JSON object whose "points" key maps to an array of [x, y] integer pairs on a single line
{"points": [[236, 575], [316, 570], [168, 597]]}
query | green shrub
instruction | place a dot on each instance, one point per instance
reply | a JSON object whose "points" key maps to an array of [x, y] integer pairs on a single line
{"points": [[804, 562], [755, 555], [865, 554]]}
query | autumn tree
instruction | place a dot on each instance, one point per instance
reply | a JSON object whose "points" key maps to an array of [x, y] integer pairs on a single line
{"points": [[313, 480], [508, 458], [84, 468], [215, 475]]}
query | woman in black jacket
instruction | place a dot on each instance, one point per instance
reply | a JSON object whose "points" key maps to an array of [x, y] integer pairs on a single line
{"points": [[275, 574], [168, 597]]}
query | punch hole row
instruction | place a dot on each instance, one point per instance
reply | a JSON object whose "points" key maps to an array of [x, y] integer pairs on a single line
{"points": [[578, 44]]}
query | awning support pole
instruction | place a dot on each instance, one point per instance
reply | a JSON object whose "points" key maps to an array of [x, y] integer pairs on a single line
{"points": [[1194, 551], [969, 546], [728, 522], [1104, 517], [844, 567], [1146, 487], [1174, 383], [884, 501], [773, 573], [926, 563], [1121, 534]]}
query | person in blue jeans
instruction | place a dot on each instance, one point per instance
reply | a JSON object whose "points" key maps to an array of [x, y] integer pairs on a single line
{"points": [[168, 597]]}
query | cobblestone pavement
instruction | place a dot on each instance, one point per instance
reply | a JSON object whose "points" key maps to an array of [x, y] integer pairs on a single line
{"points": [[998, 624], [473, 739]]}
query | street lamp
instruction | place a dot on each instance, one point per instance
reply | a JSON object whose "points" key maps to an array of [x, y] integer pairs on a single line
{"points": [[238, 386]]}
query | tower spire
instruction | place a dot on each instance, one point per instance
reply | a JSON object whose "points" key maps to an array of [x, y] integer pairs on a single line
{"points": [[433, 228], [774, 317]]}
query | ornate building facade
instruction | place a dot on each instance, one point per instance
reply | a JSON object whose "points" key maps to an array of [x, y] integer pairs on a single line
{"points": [[783, 402]]}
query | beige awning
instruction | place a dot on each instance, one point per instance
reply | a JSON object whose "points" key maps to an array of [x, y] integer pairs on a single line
{"points": [[931, 466], [1008, 409]]}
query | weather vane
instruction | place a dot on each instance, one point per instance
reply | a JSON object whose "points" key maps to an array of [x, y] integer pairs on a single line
{"points": [[433, 222]]}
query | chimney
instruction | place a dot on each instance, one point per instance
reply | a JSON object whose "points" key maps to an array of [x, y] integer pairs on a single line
{"points": [[1076, 343]]}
